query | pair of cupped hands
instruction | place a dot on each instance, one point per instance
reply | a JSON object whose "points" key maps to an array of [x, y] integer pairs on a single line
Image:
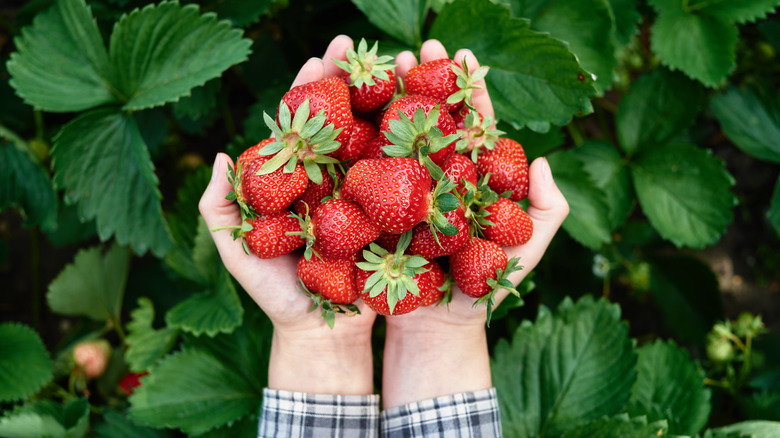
{"points": [[272, 283]]}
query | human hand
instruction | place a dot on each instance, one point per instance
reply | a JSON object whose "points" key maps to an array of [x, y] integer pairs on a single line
{"points": [[301, 338], [420, 345]]}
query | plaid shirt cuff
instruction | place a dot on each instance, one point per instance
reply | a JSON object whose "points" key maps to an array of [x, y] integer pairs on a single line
{"points": [[470, 414], [295, 414]]}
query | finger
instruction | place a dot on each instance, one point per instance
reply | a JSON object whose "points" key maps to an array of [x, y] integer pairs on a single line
{"points": [[404, 62], [336, 49], [432, 50], [312, 70], [480, 96]]}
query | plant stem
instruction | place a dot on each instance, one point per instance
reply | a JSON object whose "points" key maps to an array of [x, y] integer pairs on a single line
{"points": [[575, 134]]}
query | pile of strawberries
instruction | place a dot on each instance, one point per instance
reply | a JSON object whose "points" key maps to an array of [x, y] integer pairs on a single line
{"points": [[394, 189]]}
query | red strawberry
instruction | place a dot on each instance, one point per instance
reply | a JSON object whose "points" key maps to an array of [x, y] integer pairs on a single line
{"points": [[130, 382], [251, 152], [373, 148], [363, 131], [271, 192], [379, 303], [311, 198], [394, 192], [330, 95], [444, 80], [458, 168], [334, 280], [370, 78], [419, 132], [439, 284], [511, 224], [269, 235], [507, 165], [429, 246], [338, 229]]}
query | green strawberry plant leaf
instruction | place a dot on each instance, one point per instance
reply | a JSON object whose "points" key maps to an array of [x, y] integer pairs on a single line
{"points": [[534, 144], [589, 220], [61, 63], [670, 386], [627, 17], [25, 365], [117, 425], [586, 25], [27, 184], [745, 429], [145, 344], [93, 285], [159, 53], [774, 208], [564, 370], [118, 189], [193, 391], [737, 11], [534, 79], [750, 120], [401, 19], [620, 426], [660, 105], [245, 427], [240, 12], [608, 171], [685, 192], [687, 293], [216, 310], [46, 418]]}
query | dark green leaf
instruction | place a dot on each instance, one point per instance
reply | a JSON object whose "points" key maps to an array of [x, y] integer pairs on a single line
{"points": [[161, 52], [240, 12], [700, 45], [193, 391], [661, 105], [750, 120], [217, 310], [102, 162], [606, 168], [401, 19], [534, 144], [774, 208], [25, 365], [26, 183], [670, 386], [589, 214], [534, 79], [738, 11], [685, 192], [92, 285], [145, 344], [61, 64], [619, 426], [31, 425], [117, 425], [752, 429], [564, 369], [686, 292], [200, 104], [627, 19]]}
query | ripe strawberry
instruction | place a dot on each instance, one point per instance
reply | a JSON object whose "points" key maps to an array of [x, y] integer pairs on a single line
{"points": [[507, 165], [430, 132], [511, 225], [440, 284], [444, 80], [130, 382], [330, 95], [251, 152], [373, 148], [430, 246], [91, 357], [311, 198], [370, 78], [363, 131], [394, 192], [338, 229], [334, 280], [269, 236], [458, 168], [271, 192]]}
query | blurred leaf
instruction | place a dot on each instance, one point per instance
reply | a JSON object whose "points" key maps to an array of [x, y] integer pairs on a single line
{"points": [[589, 215], [70, 228], [47, 419], [564, 369], [200, 103], [30, 425], [738, 11], [619, 426], [61, 64], [751, 429], [246, 427], [661, 105], [701, 45], [401, 19], [159, 53], [25, 365], [117, 425], [606, 168], [687, 292], [92, 285], [586, 25], [193, 391], [102, 162], [774, 208], [217, 310], [685, 192], [535, 144], [75, 418], [750, 120], [764, 405], [26, 182], [534, 79], [240, 12], [145, 343], [627, 18], [670, 386]]}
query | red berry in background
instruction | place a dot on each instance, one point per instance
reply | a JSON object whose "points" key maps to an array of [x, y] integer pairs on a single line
{"points": [[91, 357], [312, 197], [507, 165], [373, 148], [363, 131], [130, 382]]}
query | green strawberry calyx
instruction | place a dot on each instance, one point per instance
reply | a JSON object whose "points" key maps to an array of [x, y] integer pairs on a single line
{"points": [[500, 282], [477, 134], [363, 66], [393, 272], [328, 308], [466, 82], [300, 139]]}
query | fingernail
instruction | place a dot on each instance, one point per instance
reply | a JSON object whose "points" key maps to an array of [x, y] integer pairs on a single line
{"points": [[546, 172], [217, 162]]}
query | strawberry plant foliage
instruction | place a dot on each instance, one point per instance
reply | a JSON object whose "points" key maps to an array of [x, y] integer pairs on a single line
{"points": [[25, 365], [145, 344]]}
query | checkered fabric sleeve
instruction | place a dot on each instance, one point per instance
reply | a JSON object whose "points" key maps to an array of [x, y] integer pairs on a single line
{"points": [[295, 414], [470, 414]]}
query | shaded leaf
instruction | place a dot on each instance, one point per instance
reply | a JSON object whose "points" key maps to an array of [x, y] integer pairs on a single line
{"points": [[750, 120], [738, 11], [145, 343], [608, 171], [117, 425], [619, 426], [751, 429], [774, 208], [627, 19], [217, 310], [401, 19], [25, 365]]}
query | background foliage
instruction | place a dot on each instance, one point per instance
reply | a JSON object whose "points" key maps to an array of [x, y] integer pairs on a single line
{"points": [[654, 313]]}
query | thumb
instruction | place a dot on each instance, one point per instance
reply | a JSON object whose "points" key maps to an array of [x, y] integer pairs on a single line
{"points": [[218, 211]]}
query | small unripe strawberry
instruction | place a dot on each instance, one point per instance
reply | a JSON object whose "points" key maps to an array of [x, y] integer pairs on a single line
{"points": [[91, 357]]}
